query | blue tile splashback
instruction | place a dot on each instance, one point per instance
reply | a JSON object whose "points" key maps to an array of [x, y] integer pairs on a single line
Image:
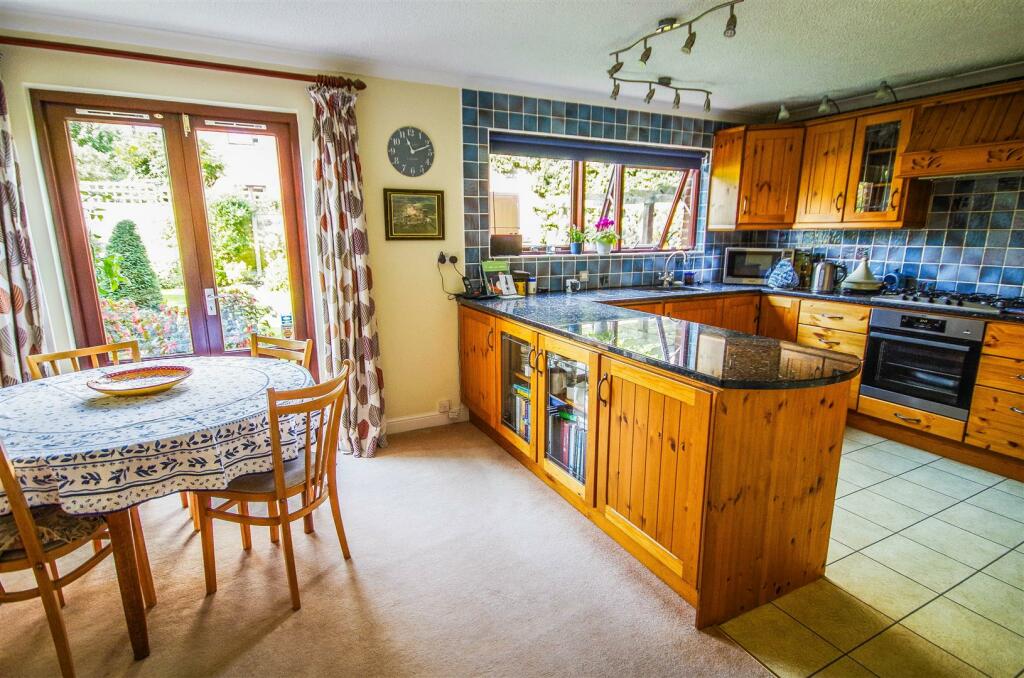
{"points": [[972, 240]]}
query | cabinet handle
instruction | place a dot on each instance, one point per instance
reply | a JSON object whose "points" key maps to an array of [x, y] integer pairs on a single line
{"points": [[839, 207], [826, 316], [540, 360], [892, 200], [746, 204], [530, 358], [827, 342], [604, 378], [1016, 410], [1021, 377], [490, 339], [910, 420]]}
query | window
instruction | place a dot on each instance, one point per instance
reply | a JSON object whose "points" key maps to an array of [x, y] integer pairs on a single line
{"points": [[539, 186]]}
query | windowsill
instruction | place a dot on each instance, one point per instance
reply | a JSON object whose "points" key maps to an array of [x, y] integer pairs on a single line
{"points": [[592, 253]]}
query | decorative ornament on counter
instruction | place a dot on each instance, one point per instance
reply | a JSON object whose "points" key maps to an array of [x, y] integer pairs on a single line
{"points": [[862, 280], [783, 276]]}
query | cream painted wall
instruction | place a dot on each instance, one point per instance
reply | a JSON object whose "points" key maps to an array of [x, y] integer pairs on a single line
{"points": [[418, 324]]}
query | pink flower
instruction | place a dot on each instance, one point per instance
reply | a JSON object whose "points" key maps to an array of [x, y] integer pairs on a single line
{"points": [[603, 224]]}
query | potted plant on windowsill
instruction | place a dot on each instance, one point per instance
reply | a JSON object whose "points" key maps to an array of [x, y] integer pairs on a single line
{"points": [[577, 236], [604, 235]]}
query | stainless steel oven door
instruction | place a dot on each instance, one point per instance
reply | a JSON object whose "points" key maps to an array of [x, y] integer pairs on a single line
{"points": [[931, 374]]}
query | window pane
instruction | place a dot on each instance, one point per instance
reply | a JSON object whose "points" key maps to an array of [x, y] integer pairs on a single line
{"points": [[680, 235], [598, 190], [242, 183], [125, 196], [646, 201], [531, 197]]}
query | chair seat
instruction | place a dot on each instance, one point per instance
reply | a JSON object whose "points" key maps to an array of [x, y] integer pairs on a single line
{"points": [[55, 526], [260, 483]]}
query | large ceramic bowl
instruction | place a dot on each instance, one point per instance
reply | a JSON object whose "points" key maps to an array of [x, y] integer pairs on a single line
{"points": [[139, 381]]}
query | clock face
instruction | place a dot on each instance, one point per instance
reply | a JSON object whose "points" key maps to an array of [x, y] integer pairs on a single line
{"points": [[410, 151]]}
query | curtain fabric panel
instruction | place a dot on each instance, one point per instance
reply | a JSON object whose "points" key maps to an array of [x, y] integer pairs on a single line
{"points": [[21, 310], [343, 254]]}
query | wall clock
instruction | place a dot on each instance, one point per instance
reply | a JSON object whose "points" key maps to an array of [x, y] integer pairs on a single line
{"points": [[411, 151]]}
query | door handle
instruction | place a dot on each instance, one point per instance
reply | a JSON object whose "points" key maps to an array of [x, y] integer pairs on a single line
{"points": [[910, 420], [832, 317], [746, 204], [604, 379], [827, 342], [490, 339], [892, 200], [839, 206], [530, 358], [211, 300], [540, 359], [1016, 410]]}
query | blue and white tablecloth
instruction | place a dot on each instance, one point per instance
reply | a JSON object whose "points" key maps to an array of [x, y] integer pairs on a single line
{"points": [[92, 453]]}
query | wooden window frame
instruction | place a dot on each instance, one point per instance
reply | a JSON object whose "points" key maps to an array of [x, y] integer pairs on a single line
{"points": [[83, 298]]}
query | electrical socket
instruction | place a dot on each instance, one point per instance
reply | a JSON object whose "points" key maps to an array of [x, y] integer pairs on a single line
{"points": [[444, 406], [455, 413], [441, 258], [584, 276]]}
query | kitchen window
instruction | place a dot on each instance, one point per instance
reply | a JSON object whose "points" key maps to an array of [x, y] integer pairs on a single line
{"points": [[539, 186]]}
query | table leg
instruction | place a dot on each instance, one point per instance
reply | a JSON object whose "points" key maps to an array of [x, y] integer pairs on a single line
{"points": [[120, 526]]}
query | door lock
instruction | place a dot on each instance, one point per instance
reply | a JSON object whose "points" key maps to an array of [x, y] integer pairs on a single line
{"points": [[211, 301]]}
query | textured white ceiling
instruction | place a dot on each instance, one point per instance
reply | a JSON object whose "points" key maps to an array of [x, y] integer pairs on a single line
{"points": [[784, 50]]}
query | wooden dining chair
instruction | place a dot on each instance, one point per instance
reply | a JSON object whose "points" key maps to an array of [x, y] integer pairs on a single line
{"points": [[316, 412], [34, 538], [296, 350], [112, 352]]}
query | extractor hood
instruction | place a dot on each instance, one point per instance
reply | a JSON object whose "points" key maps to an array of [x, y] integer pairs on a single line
{"points": [[967, 133]]}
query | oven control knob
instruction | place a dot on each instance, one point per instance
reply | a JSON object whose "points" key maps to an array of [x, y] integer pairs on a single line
{"points": [[949, 302]]}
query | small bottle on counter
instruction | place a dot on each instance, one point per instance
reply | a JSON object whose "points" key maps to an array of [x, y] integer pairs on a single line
{"points": [[531, 285]]}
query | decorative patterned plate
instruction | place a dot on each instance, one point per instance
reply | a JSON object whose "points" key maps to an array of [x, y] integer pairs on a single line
{"points": [[140, 380]]}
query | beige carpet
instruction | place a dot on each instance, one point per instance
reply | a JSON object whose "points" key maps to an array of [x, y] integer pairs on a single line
{"points": [[464, 564]]}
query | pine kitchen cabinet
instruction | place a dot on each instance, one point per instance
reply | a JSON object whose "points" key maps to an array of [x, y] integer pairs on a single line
{"points": [[518, 384], [778, 317], [477, 364]]}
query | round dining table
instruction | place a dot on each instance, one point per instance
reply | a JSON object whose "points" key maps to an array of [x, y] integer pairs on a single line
{"points": [[91, 453]]}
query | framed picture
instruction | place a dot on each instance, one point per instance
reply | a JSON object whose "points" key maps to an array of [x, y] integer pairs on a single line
{"points": [[413, 215]]}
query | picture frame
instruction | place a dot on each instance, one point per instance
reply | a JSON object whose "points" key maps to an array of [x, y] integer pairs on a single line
{"points": [[411, 214]]}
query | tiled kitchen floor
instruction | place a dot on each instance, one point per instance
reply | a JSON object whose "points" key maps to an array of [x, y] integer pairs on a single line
{"points": [[925, 575]]}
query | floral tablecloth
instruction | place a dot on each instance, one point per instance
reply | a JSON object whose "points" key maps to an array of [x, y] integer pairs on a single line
{"points": [[92, 453]]}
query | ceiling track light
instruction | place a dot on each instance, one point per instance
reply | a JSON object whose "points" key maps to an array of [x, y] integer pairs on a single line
{"points": [[690, 39], [667, 25], [827, 104], [730, 24], [783, 113], [884, 91]]}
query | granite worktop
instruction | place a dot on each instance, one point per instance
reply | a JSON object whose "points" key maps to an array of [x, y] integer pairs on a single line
{"points": [[705, 353]]}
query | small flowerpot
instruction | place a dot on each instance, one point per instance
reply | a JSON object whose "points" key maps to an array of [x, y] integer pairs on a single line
{"points": [[576, 247], [604, 247]]}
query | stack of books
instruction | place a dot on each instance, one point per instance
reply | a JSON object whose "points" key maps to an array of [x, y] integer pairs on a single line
{"points": [[567, 439], [521, 410]]}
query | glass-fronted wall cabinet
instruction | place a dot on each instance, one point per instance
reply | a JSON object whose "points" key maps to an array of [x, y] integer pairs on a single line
{"points": [[568, 429], [874, 193], [518, 353]]}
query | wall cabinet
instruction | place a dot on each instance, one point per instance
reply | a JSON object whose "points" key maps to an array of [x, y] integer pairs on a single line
{"points": [[477, 362], [874, 193], [778, 317], [824, 172], [518, 385], [755, 176], [652, 448]]}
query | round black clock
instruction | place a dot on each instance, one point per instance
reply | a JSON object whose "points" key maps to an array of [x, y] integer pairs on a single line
{"points": [[410, 151]]}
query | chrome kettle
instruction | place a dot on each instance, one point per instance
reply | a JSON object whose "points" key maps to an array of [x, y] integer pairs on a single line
{"points": [[826, 275]]}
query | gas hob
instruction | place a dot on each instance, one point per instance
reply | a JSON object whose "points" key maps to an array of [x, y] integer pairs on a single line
{"points": [[989, 304]]}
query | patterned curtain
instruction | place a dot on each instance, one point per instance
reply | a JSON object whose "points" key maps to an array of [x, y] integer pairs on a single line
{"points": [[21, 311], [344, 256]]}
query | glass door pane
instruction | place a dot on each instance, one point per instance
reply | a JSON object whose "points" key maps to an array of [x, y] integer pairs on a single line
{"points": [[516, 396], [567, 387], [878, 163], [241, 180], [124, 190]]}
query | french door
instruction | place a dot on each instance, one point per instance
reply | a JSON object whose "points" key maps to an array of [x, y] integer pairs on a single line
{"points": [[179, 225]]}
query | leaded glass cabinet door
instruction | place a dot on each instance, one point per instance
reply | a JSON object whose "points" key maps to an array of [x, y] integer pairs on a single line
{"points": [[567, 421], [874, 193], [518, 353]]}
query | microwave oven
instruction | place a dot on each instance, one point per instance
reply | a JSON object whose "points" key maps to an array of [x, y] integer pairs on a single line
{"points": [[751, 265]]}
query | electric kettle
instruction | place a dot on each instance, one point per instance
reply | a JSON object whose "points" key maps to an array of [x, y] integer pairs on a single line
{"points": [[826, 275]]}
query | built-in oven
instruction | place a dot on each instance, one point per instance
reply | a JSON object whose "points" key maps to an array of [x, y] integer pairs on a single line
{"points": [[751, 265], [928, 362]]}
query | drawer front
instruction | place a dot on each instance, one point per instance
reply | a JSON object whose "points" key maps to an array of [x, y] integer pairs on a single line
{"points": [[912, 418], [1004, 373], [834, 340], [997, 421], [1004, 339], [835, 315]]}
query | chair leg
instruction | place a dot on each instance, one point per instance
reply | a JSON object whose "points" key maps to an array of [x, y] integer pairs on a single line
{"points": [[194, 510], [202, 503], [142, 558], [55, 575], [332, 497], [272, 512], [55, 619], [184, 499], [243, 509], [307, 520], [289, 555]]}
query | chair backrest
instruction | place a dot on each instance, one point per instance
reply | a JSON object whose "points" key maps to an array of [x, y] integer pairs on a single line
{"points": [[316, 415], [19, 509], [112, 352], [297, 350]]}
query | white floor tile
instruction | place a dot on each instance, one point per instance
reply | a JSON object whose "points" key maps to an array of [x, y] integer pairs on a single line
{"points": [[880, 510], [1014, 487], [907, 451], [943, 481], [1009, 568], [915, 496], [862, 436], [920, 563], [855, 532], [882, 460], [969, 472], [955, 542], [860, 474], [991, 526], [1003, 503]]}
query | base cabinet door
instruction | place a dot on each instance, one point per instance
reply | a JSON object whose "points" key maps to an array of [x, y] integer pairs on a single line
{"points": [[517, 386], [652, 449], [567, 428], [706, 311], [740, 313], [477, 362], [778, 317]]}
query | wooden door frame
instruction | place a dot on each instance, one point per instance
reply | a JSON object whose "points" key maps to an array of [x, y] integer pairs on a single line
{"points": [[62, 197]]}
